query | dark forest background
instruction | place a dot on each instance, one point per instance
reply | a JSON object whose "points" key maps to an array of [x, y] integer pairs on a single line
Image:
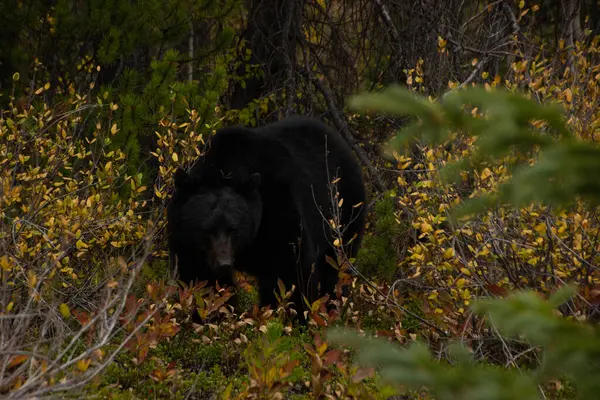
{"points": [[261, 60]]}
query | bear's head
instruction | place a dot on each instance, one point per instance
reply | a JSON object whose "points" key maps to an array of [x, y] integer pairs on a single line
{"points": [[213, 224]]}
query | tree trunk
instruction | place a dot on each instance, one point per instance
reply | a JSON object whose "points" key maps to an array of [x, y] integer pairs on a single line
{"points": [[272, 30]]}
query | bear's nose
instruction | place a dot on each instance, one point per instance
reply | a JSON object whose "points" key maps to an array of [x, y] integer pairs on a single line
{"points": [[223, 252], [224, 262]]}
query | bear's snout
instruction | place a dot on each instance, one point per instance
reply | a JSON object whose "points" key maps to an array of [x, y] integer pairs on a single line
{"points": [[222, 250]]}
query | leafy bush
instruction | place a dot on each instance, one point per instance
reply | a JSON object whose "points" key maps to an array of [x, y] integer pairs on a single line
{"points": [[65, 287], [505, 126], [73, 243], [570, 350]]}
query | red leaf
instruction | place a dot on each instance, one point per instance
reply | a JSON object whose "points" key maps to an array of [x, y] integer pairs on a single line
{"points": [[318, 340], [17, 360], [332, 356], [331, 262], [496, 290], [289, 367]]}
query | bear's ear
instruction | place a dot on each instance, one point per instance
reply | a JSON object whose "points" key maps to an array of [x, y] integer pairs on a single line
{"points": [[253, 182], [181, 177]]}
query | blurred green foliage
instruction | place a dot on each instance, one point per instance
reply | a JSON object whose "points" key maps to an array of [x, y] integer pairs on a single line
{"points": [[509, 124], [571, 350]]}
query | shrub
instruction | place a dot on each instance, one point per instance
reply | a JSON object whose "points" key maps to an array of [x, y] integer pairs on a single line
{"points": [[505, 126]]}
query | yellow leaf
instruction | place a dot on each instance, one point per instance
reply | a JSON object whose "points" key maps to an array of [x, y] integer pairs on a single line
{"points": [[426, 227], [341, 202], [16, 76], [83, 365], [81, 245], [64, 310], [441, 42], [540, 228], [577, 241], [10, 306], [322, 348], [568, 95], [174, 157], [4, 263], [40, 90], [31, 278], [337, 242], [113, 129], [47, 86], [484, 252], [449, 253], [486, 173]]}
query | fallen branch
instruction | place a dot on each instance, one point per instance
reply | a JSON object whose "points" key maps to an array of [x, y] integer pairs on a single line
{"points": [[340, 122]]}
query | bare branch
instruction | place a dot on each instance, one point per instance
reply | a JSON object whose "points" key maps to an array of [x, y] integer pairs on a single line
{"points": [[341, 124]]}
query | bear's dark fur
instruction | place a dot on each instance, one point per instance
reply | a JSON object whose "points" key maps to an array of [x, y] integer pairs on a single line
{"points": [[259, 201]]}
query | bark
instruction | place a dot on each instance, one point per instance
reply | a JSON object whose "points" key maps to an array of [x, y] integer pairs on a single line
{"points": [[190, 64], [272, 30]]}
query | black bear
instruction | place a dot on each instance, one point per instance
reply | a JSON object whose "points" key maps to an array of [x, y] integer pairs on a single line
{"points": [[261, 200]]}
